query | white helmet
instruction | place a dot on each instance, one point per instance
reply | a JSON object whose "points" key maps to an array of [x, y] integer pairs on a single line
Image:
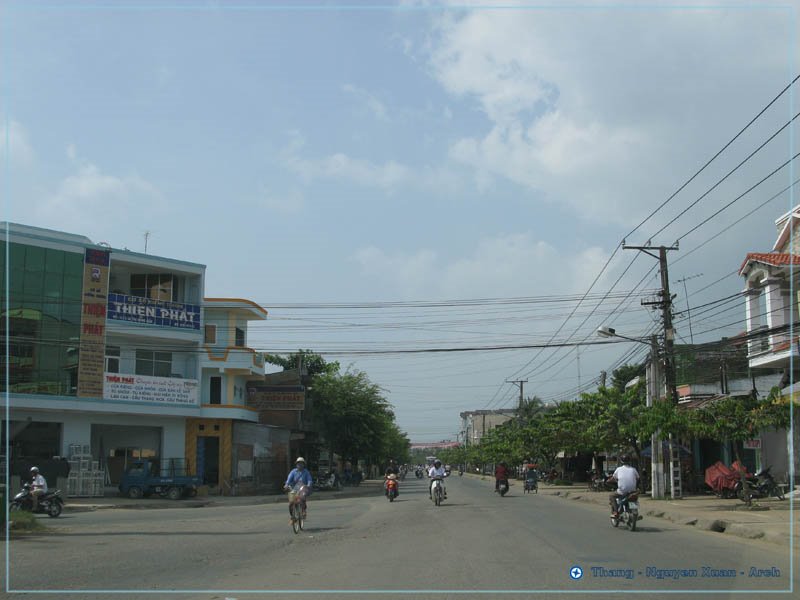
{"points": [[34, 469], [300, 459]]}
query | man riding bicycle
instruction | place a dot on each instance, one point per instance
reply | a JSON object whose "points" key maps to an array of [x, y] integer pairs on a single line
{"points": [[299, 477]]}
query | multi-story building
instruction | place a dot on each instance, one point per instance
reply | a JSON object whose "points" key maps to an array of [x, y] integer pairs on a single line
{"points": [[476, 423], [117, 352], [771, 286]]}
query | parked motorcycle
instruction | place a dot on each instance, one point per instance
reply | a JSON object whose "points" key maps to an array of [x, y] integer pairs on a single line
{"points": [[50, 503], [627, 511], [328, 481], [761, 485]]}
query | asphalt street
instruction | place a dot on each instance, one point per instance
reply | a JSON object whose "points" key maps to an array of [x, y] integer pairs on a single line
{"points": [[475, 542]]}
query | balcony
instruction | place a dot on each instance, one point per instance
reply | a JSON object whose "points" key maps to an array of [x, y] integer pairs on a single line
{"points": [[233, 358]]}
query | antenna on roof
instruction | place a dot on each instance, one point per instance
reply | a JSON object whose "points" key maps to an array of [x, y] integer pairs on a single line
{"points": [[147, 235]]}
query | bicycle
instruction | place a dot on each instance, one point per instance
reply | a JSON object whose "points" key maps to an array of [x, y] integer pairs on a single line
{"points": [[297, 506]]}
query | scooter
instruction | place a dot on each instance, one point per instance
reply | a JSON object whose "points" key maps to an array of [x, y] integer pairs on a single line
{"points": [[437, 491], [391, 488], [502, 488], [627, 511], [50, 503]]}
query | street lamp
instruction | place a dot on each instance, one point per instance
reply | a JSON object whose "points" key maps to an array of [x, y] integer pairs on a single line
{"points": [[657, 490]]}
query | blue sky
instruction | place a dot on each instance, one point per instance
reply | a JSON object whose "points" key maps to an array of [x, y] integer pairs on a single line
{"points": [[417, 151]]}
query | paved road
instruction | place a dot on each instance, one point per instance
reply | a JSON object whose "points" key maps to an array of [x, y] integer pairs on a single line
{"points": [[475, 541]]}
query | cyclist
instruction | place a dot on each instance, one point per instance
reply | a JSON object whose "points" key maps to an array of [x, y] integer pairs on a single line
{"points": [[437, 472], [299, 477]]}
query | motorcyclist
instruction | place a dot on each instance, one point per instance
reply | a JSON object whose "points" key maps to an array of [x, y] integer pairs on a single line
{"points": [[500, 475], [299, 475], [436, 472], [627, 479], [531, 474], [38, 486]]}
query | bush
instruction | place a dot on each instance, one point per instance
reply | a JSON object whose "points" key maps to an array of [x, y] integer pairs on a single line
{"points": [[22, 520]]}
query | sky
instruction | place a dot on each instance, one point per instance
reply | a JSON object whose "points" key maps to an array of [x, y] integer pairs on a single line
{"points": [[387, 177]]}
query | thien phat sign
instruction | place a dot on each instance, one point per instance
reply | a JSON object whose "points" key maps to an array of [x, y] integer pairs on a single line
{"points": [[141, 388], [91, 355], [276, 397], [153, 312]]}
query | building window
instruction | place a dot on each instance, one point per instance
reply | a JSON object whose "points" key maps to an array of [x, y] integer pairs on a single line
{"points": [[210, 336], [239, 338], [215, 390], [112, 359], [153, 364], [155, 286]]}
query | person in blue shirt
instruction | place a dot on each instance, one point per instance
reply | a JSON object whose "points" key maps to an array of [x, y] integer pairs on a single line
{"points": [[299, 476]]}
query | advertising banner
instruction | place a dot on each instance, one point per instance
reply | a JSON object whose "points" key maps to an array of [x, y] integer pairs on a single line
{"points": [[276, 397], [91, 357], [134, 309], [141, 388]]}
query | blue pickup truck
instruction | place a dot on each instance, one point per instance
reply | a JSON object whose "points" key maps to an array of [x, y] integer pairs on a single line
{"points": [[145, 478]]}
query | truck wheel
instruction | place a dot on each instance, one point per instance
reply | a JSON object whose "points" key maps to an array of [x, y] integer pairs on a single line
{"points": [[174, 493], [135, 492]]}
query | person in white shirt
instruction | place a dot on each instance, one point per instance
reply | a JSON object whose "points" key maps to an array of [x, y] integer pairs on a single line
{"points": [[627, 479], [437, 471], [38, 486]]}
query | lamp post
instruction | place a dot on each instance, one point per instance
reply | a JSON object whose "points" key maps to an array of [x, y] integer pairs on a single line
{"points": [[657, 490]]}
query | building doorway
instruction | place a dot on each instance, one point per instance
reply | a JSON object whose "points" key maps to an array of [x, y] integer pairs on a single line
{"points": [[208, 459]]}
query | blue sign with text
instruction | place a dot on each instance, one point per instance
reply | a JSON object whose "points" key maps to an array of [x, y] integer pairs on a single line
{"points": [[153, 312]]}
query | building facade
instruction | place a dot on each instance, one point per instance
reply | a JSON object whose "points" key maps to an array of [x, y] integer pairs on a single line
{"points": [[118, 353]]}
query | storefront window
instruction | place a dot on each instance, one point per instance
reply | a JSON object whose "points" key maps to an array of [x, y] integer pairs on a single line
{"points": [[153, 364]]}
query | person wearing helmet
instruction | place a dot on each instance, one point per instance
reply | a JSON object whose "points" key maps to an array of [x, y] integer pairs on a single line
{"points": [[627, 479], [437, 471], [38, 486], [299, 476]]}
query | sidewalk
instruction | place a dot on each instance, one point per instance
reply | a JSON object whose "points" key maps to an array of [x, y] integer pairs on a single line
{"points": [[370, 487], [769, 520]]}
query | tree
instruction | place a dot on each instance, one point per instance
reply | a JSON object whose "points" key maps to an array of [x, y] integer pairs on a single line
{"points": [[313, 362]]}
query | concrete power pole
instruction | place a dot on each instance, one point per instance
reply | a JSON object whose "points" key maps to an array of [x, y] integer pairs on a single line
{"points": [[669, 371], [520, 383]]}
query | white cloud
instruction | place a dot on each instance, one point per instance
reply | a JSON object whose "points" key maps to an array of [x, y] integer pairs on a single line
{"points": [[388, 176], [15, 145], [597, 108], [99, 204], [369, 100]]}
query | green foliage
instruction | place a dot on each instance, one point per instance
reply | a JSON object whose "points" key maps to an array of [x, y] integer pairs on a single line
{"points": [[355, 418], [314, 363]]}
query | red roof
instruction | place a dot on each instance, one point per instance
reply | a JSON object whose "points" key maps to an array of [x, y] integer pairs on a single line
{"points": [[775, 259]]}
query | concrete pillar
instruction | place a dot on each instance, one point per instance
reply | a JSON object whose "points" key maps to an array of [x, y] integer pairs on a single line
{"points": [[753, 317], [776, 316]]}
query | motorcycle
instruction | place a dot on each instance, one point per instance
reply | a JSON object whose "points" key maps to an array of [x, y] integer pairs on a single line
{"points": [[418, 473], [391, 488], [50, 503], [531, 485], [437, 490], [328, 481], [761, 485], [502, 488], [627, 511]]}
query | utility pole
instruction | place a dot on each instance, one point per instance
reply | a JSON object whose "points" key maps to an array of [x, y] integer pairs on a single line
{"points": [[669, 372], [147, 235], [520, 383]]}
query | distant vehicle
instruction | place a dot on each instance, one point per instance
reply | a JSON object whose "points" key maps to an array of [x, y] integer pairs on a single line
{"points": [[145, 478]]}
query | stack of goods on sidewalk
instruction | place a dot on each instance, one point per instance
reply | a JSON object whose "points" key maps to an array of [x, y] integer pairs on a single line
{"points": [[86, 479]]}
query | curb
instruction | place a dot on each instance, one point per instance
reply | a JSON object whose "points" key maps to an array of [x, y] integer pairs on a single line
{"points": [[703, 523]]}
